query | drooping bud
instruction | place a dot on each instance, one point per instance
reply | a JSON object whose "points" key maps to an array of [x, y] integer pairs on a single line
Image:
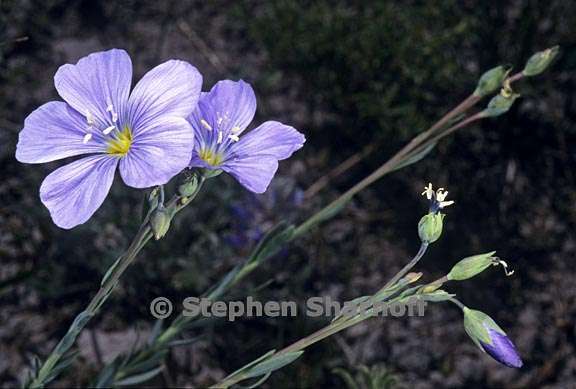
{"points": [[491, 81], [490, 338], [474, 265], [540, 61], [160, 221], [430, 227]]}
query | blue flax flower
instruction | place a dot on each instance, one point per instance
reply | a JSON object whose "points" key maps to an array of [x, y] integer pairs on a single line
{"points": [[143, 132], [222, 116]]}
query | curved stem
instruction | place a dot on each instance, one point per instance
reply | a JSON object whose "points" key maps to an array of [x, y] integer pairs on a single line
{"points": [[407, 268], [337, 325], [457, 302]]}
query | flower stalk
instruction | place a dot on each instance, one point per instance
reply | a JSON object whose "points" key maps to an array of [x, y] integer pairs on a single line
{"points": [[49, 369]]}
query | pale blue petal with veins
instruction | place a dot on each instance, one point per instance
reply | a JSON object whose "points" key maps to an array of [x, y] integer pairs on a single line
{"points": [[222, 116], [144, 133]]}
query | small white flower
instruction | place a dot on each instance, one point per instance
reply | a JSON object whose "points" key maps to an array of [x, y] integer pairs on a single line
{"points": [[438, 196]]}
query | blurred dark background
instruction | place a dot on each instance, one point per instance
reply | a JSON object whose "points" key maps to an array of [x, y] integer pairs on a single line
{"points": [[356, 78]]}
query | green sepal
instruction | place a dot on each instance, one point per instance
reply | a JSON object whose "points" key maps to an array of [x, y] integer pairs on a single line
{"points": [[500, 104], [540, 61], [160, 221], [430, 227], [471, 266], [491, 80], [477, 324]]}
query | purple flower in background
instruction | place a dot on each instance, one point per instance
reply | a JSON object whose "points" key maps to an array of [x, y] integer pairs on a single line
{"points": [[219, 121], [490, 337], [502, 349], [144, 132]]}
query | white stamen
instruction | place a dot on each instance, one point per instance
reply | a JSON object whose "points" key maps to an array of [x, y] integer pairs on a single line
{"points": [[235, 138], [441, 195], [206, 125], [89, 118], [505, 266], [444, 204], [114, 117], [236, 130], [110, 108], [428, 191], [87, 137], [108, 130], [220, 119], [220, 135]]}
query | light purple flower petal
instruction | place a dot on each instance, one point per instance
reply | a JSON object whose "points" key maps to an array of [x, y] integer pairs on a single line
{"points": [[253, 172], [502, 349], [75, 191], [158, 153], [170, 89], [55, 131], [96, 82], [271, 139], [229, 104]]}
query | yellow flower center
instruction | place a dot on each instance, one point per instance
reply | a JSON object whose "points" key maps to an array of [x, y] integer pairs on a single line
{"points": [[120, 145], [210, 157]]}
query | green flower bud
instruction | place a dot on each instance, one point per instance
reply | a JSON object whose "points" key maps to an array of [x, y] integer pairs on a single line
{"points": [[430, 227], [540, 61], [491, 80], [477, 324], [153, 198], [189, 186], [500, 103], [412, 277], [471, 266], [160, 222], [490, 338]]}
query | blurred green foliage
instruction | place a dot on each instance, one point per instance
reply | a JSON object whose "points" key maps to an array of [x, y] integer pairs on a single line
{"points": [[382, 68]]}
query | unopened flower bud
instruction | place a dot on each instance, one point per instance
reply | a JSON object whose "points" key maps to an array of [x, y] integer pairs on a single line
{"points": [[189, 186], [501, 103], [540, 61], [491, 81], [430, 227], [490, 338], [431, 287], [474, 265], [160, 222], [153, 197], [412, 277]]}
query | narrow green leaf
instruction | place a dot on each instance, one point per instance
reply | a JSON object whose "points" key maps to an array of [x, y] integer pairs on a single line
{"points": [[273, 363], [416, 157], [346, 377], [140, 378], [253, 363], [260, 381]]}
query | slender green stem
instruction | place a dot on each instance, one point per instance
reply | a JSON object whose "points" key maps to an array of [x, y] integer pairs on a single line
{"points": [[111, 279], [419, 142], [457, 302], [412, 147], [339, 325], [406, 268]]}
